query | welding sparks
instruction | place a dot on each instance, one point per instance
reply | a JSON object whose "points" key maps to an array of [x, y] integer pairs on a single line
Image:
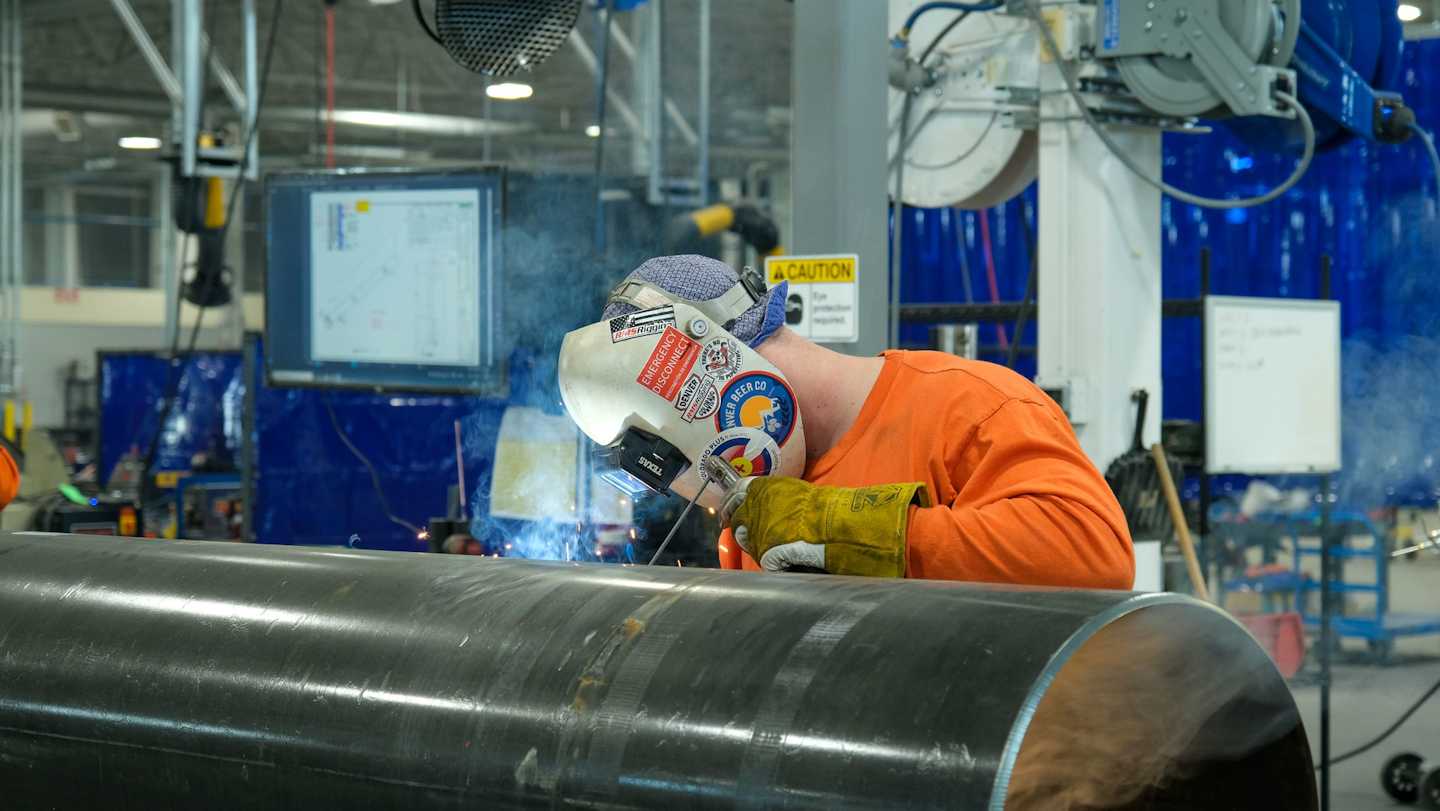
{"points": [[712, 510], [632, 533], [424, 535]]}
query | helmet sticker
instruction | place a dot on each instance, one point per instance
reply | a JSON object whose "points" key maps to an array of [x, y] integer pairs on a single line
{"points": [[760, 401], [669, 364], [638, 325], [751, 453], [721, 359], [698, 398]]}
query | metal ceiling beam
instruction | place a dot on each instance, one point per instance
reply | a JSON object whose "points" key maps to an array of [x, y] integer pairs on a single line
{"points": [[615, 99], [228, 82], [191, 29], [622, 41], [157, 64], [41, 11]]}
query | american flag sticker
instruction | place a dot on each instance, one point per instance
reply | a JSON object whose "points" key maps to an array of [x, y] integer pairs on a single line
{"points": [[638, 325]]}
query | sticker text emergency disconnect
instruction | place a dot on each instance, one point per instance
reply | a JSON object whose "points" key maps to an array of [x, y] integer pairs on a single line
{"points": [[669, 364]]}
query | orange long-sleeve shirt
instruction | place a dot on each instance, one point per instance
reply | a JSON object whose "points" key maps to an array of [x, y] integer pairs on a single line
{"points": [[1015, 499], [9, 478]]}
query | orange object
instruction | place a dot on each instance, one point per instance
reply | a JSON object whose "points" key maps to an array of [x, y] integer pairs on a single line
{"points": [[9, 479], [1282, 636], [128, 524], [1016, 499]]}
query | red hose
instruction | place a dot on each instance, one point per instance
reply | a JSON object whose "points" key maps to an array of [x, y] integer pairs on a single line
{"points": [[990, 272], [330, 84]]}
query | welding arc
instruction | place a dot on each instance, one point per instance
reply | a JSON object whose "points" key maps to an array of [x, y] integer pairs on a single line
{"points": [[678, 522]]}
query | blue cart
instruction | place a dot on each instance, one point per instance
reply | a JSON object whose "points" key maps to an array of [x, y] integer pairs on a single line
{"points": [[1381, 627]]}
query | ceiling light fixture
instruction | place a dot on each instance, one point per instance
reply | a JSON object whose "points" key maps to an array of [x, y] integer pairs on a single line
{"points": [[1409, 13], [140, 142], [593, 131], [368, 118], [509, 91]]}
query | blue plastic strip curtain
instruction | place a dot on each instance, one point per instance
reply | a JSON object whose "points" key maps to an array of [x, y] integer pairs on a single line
{"points": [[940, 247], [204, 419], [313, 490], [1371, 208]]}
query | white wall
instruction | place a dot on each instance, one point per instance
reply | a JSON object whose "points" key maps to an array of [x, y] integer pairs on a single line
{"points": [[54, 330]]}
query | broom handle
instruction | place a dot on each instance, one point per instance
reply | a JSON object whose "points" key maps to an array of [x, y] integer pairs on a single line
{"points": [[1192, 562]]}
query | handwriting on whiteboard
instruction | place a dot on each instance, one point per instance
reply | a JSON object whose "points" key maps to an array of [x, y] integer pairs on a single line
{"points": [[1236, 335]]}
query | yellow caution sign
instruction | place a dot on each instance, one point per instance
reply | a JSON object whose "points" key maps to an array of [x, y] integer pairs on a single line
{"points": [[167, 479], [823, 303]]}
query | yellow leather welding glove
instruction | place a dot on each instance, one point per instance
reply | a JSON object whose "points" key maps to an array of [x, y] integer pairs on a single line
{"points": [[785, 523]]}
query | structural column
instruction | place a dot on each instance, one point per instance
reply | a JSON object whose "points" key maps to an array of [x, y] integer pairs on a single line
{"points": [[1099, 308], [839, 148]]}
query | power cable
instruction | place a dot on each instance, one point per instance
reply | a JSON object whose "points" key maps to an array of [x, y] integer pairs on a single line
{"points": [[1115, 149], [177, 372], [424, 23], [898, 204], [365, 460], [1435, 688], [962, 7], [1430, 148]]}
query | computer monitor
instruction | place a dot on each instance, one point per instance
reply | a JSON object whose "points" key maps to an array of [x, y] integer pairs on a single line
{"points": [[384, 280]]}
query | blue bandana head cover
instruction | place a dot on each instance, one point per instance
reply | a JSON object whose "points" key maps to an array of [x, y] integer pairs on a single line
{"points": [[700, 279]]}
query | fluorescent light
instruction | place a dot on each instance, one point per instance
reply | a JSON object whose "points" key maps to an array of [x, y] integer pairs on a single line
{"points": [[140, 142], [509, 91], [1409, 13], [593, 130], [369, 118]]}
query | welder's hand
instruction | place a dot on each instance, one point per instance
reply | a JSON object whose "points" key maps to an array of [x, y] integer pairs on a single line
{"points": [[783, 522]]}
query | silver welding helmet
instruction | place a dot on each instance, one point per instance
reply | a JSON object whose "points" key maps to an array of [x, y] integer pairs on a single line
{"points": [[667, 385]]}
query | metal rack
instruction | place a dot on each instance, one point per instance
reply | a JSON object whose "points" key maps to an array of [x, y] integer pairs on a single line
{"points": [[1379, 628]]}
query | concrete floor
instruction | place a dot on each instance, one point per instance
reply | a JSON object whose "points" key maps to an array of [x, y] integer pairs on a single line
{"points": [[1367, 698]]}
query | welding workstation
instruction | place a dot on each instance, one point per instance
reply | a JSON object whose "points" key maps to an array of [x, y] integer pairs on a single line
{"points": [[629, 404]]}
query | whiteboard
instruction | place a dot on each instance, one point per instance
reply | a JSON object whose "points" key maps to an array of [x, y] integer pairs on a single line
{"points": [[1272, 385]]}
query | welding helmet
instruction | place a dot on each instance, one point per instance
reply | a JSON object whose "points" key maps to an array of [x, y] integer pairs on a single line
{"points": [[667, 385]]}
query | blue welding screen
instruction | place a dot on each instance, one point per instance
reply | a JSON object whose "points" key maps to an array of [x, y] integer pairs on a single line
{"points": [[387, 281]]}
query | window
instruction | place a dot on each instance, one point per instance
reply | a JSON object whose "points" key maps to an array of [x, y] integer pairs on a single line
{"points": [[114, 236]]}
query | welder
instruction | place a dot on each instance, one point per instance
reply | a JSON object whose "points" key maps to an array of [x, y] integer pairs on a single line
{"points": [[909, 464]]}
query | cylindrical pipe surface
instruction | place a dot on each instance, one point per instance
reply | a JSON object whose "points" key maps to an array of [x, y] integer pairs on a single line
{"points": [[156, 674]]}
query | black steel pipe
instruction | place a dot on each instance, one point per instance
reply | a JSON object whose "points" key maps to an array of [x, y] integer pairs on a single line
{"points": [[157, 674]]}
